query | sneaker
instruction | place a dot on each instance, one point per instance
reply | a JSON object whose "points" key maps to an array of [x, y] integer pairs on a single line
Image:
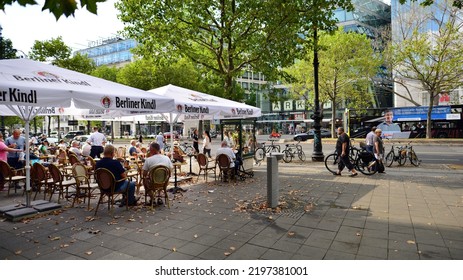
{"points": [[371, 164], [353, 174], [336, 174]]}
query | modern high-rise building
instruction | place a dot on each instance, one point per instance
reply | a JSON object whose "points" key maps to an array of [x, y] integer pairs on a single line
{"points": [[110, 51]]}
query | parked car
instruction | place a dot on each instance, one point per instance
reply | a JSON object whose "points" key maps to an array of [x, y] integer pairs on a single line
{"points": [[71, 134], [167, 135], [81, 138], [52, 140], [325, 133]]}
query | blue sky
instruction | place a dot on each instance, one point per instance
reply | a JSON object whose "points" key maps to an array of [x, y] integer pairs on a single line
{"points": [[24, 25]]}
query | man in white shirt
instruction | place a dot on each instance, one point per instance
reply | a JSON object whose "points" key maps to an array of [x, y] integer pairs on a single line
{"points": [[97, 139], [160, 141], [156, 159], [224, 149], [86, 147], [369, 140], [75, 149]]}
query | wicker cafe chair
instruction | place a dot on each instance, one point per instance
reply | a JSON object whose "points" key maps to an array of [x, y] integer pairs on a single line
{"points": [[83, 186], [205, 166], [156, 183], [60, 182], [40, 179], [9, 175], [225, 171], [107, 185]]}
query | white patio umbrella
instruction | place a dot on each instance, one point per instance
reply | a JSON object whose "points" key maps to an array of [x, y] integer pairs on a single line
{"points": [[27, 86]]}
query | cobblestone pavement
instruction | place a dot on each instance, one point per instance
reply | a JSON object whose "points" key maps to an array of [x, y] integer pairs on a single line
{"points": [[407, 213]]}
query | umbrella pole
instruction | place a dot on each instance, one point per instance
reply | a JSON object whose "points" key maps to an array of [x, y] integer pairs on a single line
{"points": [[171, 136], [27, 166]]}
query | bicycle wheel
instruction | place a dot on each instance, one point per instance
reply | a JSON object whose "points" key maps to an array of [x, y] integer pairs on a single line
{"points": [[301, 155], [364, 167], [331, 163], [259, 155], [389, 159], [188, 150], [402, 158], [413, 158], [287, 156]]}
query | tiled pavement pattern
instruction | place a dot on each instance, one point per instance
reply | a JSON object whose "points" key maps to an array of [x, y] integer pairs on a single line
{"points": [[407, 213]]}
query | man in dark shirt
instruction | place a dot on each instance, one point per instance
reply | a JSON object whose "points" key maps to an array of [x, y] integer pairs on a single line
{"points": [[116, 168], [342, 149]]}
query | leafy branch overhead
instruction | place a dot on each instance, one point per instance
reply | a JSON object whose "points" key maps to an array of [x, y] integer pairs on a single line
{"points": [[57, 7]]}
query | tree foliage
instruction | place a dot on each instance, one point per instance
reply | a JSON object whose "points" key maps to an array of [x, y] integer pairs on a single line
{"points": [[57, 7], [106, 72], [6, 49], [59, 54], [222, 36], [430, 58], [347, 65]]}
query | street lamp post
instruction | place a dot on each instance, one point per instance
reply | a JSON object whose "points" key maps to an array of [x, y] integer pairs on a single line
{"points": [[317, 154]]}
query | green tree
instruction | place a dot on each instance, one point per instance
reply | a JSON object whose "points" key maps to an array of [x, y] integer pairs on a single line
{"points": [[347, 65], [59, 54], [138, 74], [78, 62], [6, 49], [57, 7], [106, 72], [53, 50], [430, 60], [222, 36]]}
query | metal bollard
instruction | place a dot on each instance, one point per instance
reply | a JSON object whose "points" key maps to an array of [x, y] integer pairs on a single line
{"points": [[273, 183]]}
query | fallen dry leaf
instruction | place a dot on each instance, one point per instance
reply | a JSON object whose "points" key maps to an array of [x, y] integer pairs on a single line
{"points": [[131, 220], [174, 249], [64, 245], [89, 253], [291, 233], [54, 238], [358, 234], [410, 242], [18, 252], [227, 253], [195, 236], [232, 248]]}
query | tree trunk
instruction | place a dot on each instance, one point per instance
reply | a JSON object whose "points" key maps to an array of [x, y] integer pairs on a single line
{"points": [[228, 87], [429, 121]]}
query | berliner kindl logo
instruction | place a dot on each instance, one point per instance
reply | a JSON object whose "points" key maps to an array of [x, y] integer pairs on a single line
{"points": [[46, 74], [106, 102], [179, 108]]}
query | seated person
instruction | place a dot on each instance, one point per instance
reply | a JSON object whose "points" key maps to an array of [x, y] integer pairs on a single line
{"points": [[75, 149], [62, 144], [86, 148], [224, 149], [133, 148], [178, 153], [43, 148], [155, 159], [118, 171]]}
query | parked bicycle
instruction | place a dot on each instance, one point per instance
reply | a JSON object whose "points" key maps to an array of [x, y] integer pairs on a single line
{"points": [[395, 154], [264, 149], [291, 151], [361, 159], [186, 148], [408, 152]]}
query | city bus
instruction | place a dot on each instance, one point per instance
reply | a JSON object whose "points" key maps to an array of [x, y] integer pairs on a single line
{"points": [[447, 121]]}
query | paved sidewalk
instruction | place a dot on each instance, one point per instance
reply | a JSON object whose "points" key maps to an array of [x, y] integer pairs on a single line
{"points": [[407, 213]]}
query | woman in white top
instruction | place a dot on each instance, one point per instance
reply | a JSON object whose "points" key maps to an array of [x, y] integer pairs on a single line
{"points": [[207, 143]]}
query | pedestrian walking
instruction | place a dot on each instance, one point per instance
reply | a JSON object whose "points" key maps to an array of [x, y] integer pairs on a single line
{"points": [[97, 140], [342, 149]]}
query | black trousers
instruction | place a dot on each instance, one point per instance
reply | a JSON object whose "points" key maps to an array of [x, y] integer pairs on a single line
{"points": [[345, 162], [95, 151]]}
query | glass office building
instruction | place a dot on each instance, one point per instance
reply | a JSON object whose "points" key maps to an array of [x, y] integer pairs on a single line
{"points": [[110, 51]]}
